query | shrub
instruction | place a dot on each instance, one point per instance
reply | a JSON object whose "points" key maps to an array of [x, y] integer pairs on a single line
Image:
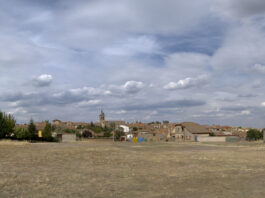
{"points": [[254, 134], [69, 130], [87, 134], [212, 134], [47, 132], [11, 124], [32, 130], [78, 134], [7, 125], [118, 133], [80, 127], [22, 134], [3, 126], [57, 129], [107, 134]]}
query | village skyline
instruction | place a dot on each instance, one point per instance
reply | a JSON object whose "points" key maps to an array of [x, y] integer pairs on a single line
{"points": [[103, 118]]}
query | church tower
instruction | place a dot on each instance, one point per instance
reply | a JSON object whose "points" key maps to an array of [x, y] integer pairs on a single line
{"points": [[102, 119]]}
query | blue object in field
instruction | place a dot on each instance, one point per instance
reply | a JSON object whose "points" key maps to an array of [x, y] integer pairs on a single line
{"points": [[196, 138], [140, 139]]}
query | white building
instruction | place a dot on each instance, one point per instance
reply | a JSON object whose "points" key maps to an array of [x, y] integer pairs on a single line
{"points": [[126, 129]]}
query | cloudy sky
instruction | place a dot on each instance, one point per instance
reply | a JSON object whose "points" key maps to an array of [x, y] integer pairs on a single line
{"points": [[175, 60]]}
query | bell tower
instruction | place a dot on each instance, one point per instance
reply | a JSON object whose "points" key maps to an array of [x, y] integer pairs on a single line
{"points": [[102, 119]]}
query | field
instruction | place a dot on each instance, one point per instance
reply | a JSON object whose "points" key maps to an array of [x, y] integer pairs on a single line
{"points": [[106, 169]]}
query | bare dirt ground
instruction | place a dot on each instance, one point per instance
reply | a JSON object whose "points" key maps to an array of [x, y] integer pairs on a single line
{"points": [[106, 169]]}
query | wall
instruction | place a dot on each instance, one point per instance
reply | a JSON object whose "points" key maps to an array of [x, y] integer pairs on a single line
{"points": [[211, 139], [69, 138]]}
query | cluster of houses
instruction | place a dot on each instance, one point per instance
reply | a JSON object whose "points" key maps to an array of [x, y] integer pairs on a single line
{"points": [[155, 131]]}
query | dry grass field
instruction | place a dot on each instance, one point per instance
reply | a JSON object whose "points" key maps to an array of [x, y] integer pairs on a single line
{"points": [[107, 169]]}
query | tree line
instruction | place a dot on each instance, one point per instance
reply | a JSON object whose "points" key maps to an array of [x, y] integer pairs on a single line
{"points": [[8, 130]]}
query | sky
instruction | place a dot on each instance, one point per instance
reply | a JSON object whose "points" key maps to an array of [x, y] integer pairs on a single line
{"points": [[138, 60]]}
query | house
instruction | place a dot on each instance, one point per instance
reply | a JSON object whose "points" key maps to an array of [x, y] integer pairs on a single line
{"points": [[125, 128], [188, 131]]}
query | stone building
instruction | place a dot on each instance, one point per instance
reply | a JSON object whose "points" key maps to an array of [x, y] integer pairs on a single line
{"points": [[102, 119], [188, 131]]}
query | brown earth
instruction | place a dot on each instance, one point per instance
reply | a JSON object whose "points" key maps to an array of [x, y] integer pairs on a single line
{"points": [[106, 169]]}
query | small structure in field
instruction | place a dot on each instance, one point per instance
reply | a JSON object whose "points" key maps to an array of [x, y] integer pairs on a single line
{"points": [[67, 137]]}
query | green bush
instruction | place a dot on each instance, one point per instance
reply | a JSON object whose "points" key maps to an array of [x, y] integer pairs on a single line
{"points": [[212, 134], [78, 134], [22, 134], [32, 130], [69, 130], [80, 127], [254, 134], [118, 133], [7, 125], [47, 132]]}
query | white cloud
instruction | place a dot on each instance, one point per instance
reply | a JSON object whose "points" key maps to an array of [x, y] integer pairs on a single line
{"points": [[242, 48], [259, 68], [88, 91], [245, 112], [133, 86], [43, 80], [89, 103], [186, 83], [121, 112], [263, 104]]}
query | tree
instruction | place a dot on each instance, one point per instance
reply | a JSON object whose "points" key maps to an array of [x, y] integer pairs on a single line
{"points": [[108, 131], [22, 134], [87, 134], [7, 125], [92, 124], [135, 129], [69, 130], [211, 134], [3, 126], [32, 130], [254, 134], [11, 124], [79, 127], [118, 133], [57, 129], [112, 125], [78, 135], [47, 132]]}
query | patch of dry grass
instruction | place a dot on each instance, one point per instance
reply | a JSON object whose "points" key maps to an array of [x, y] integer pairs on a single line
{"points": [[107, 169], [13, 143]]}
